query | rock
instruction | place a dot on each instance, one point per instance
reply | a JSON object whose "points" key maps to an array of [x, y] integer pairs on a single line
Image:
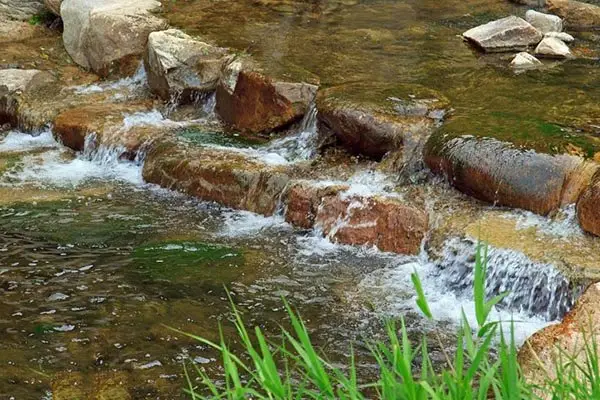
{"points": [[558, 342], [383, 222], [506, 34], [105, 121], [20, 10], [525, 60], [252, 103], [302, 201], [178, 65], [552, 47], [13, 84], [588, 212], [544, 22], [15, 31], [365, 127], [229, 178], [53, 5], [109, 36], [498, 173], [563, 36], [577, 15]]}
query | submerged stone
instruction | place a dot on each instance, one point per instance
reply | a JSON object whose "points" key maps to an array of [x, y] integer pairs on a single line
{"points": [[181, 66], [506, 34], [499, 173], [251, 102], [544, 22], [576, 14], [109, 36], [552, 47]]}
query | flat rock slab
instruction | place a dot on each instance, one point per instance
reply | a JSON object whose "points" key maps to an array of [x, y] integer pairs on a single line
{"points": [[20, 10], [552, 47], [109, 36], [506, 34], [544, 22]]}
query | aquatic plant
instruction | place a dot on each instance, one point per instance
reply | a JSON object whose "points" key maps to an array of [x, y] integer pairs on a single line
{"points": [[483, 364]]}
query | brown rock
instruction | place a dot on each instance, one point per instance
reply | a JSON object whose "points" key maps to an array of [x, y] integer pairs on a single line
{"points": [[373, 130], [250, 102], [302, 200], [555, 343], [576, 14], [588, 209], [53, 5], [226, 177], [373, 221], [105, 120], [498, 173]]}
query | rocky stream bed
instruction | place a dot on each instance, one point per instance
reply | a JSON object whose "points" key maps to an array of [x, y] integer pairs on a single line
{"points": [[154, 155]]}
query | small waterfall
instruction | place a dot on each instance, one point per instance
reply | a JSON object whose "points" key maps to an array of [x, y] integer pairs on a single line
{"points": [[302, 145], [134, 83], [535, 289]]}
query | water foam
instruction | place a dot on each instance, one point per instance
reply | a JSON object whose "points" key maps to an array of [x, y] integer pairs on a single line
{"points": [[16, 141], [131, 84], [238, 223], [302, 145], [562, 225]]}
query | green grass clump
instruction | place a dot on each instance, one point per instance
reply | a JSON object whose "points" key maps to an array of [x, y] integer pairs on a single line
{"points": [[482, 366]]}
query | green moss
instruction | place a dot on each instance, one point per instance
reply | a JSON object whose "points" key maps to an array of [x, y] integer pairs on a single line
{"points": [[184, 260]]}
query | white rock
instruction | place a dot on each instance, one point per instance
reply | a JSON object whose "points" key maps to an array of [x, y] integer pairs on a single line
{"points": [[553, 48], [525, 60], [102, 34], [565, 37], [177, 64], [544, 22], [17, 79], [506, 34]]}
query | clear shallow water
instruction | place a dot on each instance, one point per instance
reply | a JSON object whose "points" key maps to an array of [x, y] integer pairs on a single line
{"points": [[95, 264]]}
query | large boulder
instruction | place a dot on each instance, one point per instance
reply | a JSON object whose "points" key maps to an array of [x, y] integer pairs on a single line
{"points": [[14, 83], [499, 173], [543, 352], [576, 14], [366, 220], [544, 22], [227, 177], [53, 5], [179, 66], [552, 47], [389, 119], [21, 10], [384, 222], [109, 36], [506, 34], [588, 210], [250, 102]]}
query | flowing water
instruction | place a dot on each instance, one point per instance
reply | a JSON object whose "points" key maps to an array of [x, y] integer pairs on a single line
{"points": [[96, 266]]}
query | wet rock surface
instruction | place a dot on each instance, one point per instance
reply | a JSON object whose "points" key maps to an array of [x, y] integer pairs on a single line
{"points": [[111, 36], [576, 14], [498, 173], [251, 102], [13, 84], [179, 66], [587, 208], [506, 34]]}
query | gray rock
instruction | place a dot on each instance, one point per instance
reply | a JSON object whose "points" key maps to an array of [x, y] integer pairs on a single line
{"points": [[506, 34], [104, 36], [544, 22], [552, 47], [565, 37], [20, 10], [179, 65], [525, 60]]}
